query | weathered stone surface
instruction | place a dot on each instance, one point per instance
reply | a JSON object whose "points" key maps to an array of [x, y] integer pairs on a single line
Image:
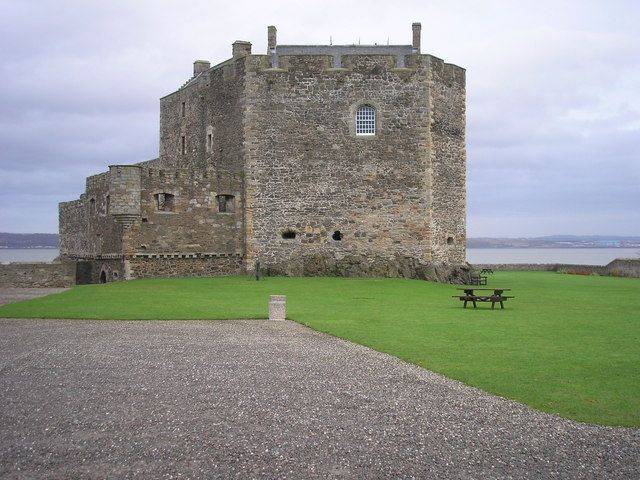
{"points": [[361, 266], [275, 135], [185, 267], [37, 274]]}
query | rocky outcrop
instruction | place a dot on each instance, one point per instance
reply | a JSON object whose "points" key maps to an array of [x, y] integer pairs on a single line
{"points": [[361, 266]]}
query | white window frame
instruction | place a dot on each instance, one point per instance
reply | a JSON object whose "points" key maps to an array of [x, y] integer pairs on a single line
{"points": [[365, 120]]}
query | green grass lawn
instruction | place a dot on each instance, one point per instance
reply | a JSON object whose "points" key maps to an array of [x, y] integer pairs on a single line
{"points": [[566, 344]]}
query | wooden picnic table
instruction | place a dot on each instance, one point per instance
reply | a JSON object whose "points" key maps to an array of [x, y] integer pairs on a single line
{"points": [[471, 296]]}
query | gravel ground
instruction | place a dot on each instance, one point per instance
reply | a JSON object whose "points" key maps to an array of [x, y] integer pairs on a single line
{"points": [[98, 399], [10, 295]]}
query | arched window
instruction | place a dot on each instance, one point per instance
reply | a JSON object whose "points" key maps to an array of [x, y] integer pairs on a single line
{"points": [[366, 120]]}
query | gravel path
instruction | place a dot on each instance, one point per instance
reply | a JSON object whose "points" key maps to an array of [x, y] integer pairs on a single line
{"points": [[99, 399], [10, 295]]}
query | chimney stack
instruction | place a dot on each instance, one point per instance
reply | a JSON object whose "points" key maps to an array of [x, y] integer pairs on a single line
{"points": [[241, 48], [200, 66], [417, 29], [271, 38]]}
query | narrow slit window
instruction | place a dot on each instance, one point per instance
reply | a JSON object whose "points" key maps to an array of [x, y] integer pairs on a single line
{"points": [[366, 120], [183, 109], [183, 144], [226, 203], [209, 142], [164, 202]]}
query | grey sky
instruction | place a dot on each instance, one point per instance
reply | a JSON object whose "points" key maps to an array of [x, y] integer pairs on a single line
{"points": [[553, 87]]}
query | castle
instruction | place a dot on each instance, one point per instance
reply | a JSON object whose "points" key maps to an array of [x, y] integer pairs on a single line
{"points": [[311, 160]]}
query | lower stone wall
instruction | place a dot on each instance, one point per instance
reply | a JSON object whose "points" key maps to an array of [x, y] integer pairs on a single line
{"points": [[195, 266], [37, 275], [324, 265], [620, 267], [97, 270], [624, 267], [517, 267]]}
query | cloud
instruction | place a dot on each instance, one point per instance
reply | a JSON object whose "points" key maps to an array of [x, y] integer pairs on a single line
{"points": [[553, 115]]}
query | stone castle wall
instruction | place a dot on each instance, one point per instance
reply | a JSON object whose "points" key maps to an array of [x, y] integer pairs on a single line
{"points": [[87, 228], [194, 223], [308, 173], [125, 220], [74, 228], [37, 275], [209, 113], [181, 265], [620, 267], [448, 162]]}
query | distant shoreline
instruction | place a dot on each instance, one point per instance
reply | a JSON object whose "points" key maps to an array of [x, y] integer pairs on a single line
{"points": [[537, 247], [29, 248]]}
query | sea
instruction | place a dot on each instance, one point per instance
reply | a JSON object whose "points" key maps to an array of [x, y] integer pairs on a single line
{"points": [[571, 256], [576, 256]]}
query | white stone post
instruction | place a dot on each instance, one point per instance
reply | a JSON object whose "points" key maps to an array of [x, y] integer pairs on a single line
{"points": [[277, 307]]}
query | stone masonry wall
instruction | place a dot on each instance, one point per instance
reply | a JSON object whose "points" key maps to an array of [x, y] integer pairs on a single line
{"points": [[620, 267], [37, 275], [213, 106], [74, 228], [194, 222], [624, 267], [87, 227], [448, 161], [191, 266], [308, 172]]}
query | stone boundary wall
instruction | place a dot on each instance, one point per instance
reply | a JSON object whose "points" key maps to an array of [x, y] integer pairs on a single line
{"points": [[624, 267], [620, 267], [185, 267], [37, 275]]}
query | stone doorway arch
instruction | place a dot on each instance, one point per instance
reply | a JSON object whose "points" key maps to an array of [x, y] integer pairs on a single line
{"points": [[103, 277]]}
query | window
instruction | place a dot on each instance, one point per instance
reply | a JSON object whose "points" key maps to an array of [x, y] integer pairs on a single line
{"points": [[226, 203], [92, 206], [450, 241], [183, 109], [366, 120], [107, 204], [337, 235], [183, 144], [288, 235], [209, 142], [164, 202]]}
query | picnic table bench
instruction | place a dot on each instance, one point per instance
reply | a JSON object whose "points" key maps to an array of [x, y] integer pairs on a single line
{"points": [[476, 279], [496, 297]]}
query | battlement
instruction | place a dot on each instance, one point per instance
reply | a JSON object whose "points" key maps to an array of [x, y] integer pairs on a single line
{"points": [[277, 55], [337, 52], [191, 174]]}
